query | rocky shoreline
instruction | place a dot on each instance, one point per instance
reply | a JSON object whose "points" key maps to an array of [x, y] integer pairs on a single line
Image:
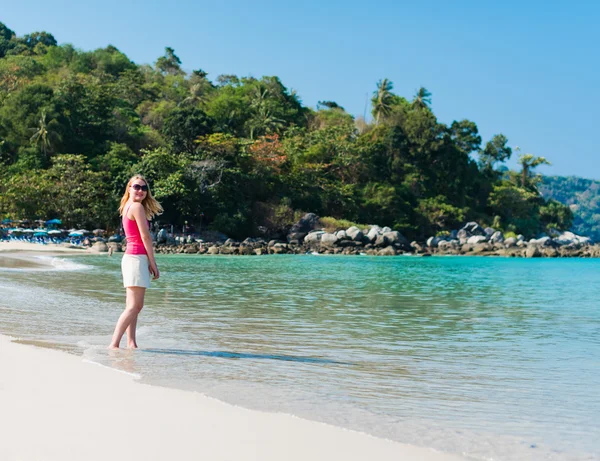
{"points": [[305, 237]]}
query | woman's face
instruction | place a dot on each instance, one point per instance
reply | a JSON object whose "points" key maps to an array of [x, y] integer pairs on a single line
{"points": [[138, 189]]}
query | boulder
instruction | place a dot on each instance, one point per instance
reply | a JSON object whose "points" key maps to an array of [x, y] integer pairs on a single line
{"points": [[481, 247], [497, 237], [550, 252], [298, 236], [385, 230], [472, 228], [569, 238], [395, 237], [475, 239], [489, 231], [190, 249], [328, 240], [381, 241], [355, 234], [510, 242], [259, 251], [100, 247], [280, 248], [341, 235], [115, 246], [313, 237], [432, 242], [373, 233], [387, 251], [213, 250], [533, 252], [307, 223]]}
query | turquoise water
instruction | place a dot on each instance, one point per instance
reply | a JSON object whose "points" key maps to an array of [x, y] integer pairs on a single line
{"points": [[491, 358]]}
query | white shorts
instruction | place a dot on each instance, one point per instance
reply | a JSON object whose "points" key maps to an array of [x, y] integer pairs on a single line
{"points": [[135, 271]]}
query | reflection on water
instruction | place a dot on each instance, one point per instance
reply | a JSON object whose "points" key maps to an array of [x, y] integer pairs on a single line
{"points": [[469, 355]]}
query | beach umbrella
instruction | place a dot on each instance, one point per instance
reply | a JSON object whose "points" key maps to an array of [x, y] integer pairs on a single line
{"points": [[28, 231], [40, 234], [84, 231], [98, 231], [75, 234], [54, 232], [54, 221], [7, 221]]}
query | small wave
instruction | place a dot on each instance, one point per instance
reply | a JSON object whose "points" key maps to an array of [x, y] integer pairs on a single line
{"points": [[62, 264]]}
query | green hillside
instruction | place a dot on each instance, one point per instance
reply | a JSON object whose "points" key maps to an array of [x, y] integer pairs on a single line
{"points": [[242, 155], [582, 196]]}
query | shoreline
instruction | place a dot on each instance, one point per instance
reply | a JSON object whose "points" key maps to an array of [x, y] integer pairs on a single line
{"points": [[26, 247], [67, 405]]}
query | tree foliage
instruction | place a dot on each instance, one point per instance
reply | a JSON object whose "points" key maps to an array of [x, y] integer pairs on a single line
{"points": [[241, 153]]}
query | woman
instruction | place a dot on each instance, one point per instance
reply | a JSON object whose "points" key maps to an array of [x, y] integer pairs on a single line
{"points": [[137, 208]]}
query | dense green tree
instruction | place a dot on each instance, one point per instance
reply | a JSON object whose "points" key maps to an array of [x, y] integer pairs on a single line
{"points": [[494, 151], [242, 153]]}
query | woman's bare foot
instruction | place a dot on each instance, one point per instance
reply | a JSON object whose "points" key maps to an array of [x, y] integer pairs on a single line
{"points": [[111, 347], [132, 346]]}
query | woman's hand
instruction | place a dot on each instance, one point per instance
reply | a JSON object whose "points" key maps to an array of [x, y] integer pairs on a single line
{"points": [[154, 271]]}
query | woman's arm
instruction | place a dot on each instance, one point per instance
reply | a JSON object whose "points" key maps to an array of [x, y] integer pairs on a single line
{"points": [[139, 214]]}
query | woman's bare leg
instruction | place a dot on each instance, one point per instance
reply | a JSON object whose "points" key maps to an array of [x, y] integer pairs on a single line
{"points": [[131, 343], [133, 305]]}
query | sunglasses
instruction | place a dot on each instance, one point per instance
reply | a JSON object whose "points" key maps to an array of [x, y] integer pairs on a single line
{"points": [[140, 187]]}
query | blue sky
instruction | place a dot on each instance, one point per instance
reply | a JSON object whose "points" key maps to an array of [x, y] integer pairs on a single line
{"points": [[527, 69]]}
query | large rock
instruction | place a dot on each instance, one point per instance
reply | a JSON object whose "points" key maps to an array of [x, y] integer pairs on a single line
{"points": [[533, 252], [510, 242], [387, 251], [115, 246], [341, 235], [307, 223], [497, 237], [213, 250], [432, 242], [373, 233], [489, 231], [381, 241], [355, 234], [569, 238], [279, 248], [100, 247], [296, 236], [475, 239], [395, 237], [472, 228], [313, 237], [328, 240]]}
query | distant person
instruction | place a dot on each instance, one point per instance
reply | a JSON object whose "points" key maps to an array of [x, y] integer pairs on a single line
{"points": [[110, 251], [137, 207]]}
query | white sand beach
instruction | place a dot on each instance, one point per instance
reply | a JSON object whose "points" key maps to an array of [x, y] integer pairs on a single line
{"points": [[6, 247], [57, 407]]}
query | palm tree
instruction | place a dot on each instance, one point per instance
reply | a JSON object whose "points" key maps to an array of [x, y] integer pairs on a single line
{"points": [[529, 162], [263, 120], [196, 95], [382, 99], [422, 99], [43, 135]]}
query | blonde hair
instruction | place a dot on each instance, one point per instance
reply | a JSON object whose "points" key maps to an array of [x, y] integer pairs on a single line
{"points": [[151, 205]]}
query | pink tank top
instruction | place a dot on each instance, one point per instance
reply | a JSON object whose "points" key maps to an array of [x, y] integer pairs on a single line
{"points": [[135, 245]]}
